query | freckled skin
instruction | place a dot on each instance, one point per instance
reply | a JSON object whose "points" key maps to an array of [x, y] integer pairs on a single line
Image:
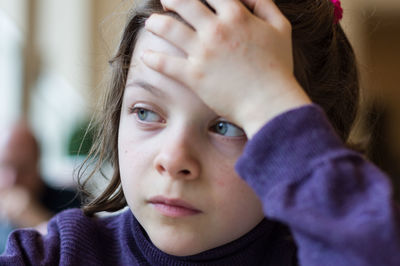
{"points": [[221, 183], [233, 45], [220, 34]]}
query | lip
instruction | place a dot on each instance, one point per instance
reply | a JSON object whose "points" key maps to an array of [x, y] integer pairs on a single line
{"points": [[173, 207]]}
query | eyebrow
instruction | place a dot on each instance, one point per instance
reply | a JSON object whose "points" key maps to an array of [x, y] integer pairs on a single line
{"points": [[147, 86]]}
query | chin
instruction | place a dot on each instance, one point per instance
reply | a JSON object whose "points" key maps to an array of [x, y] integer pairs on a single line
{"points": [[178, 244], [179, 251]]}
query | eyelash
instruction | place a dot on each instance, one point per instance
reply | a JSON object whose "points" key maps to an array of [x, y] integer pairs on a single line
{"points": [[228, 126], [134, 110]]}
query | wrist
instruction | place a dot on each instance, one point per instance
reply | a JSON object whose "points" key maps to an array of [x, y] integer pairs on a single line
{"points": [[291, 96]]}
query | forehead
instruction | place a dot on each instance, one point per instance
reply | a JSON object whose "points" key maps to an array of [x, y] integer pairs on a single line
{"points": [[140, 72], [174, 92], [148, 41]]}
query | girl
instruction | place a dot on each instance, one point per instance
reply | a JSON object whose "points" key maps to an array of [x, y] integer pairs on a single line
{"points": [[199, 88]]}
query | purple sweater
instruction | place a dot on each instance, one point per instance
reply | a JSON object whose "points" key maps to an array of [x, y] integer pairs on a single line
{"points": [[336, 204]]}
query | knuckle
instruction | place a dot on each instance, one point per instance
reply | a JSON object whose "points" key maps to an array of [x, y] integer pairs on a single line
{"points": [[165, 24], [160, 64], [196, 74], [207, 52], [219, 33], [177, 3], [170, 3], [236, 14], [286, 25]]}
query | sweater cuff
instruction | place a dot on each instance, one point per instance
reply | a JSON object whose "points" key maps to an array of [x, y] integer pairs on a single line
{"points": [[286, 149]]}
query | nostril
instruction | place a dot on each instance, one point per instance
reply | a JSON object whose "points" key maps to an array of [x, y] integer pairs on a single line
{"points": [[185, 172], [161, 168]]}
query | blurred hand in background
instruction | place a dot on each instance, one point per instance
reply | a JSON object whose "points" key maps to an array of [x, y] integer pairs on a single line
{"points": [[25, 199]]}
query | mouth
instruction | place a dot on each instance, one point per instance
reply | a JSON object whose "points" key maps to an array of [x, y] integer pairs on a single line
{"points": [[173, 207]]}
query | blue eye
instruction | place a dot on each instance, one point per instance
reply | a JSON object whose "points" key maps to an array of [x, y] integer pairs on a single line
{"points": [[227, 129], [147, 115]]}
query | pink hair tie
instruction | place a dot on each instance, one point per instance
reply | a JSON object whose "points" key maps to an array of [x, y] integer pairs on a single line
{"points": [[338, 10]]}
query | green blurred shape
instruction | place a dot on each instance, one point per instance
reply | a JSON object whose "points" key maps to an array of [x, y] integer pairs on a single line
{"points": [[81, 140]]}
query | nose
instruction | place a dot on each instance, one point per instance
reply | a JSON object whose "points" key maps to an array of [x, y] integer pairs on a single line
{"points": [[177, 158]]}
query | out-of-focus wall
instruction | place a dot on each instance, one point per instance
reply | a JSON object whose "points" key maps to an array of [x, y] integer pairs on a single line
{"points": [[12, 23], [109, 17], [374, 28], [16, 10], [367, 22], [54, 80], [63, 82]]}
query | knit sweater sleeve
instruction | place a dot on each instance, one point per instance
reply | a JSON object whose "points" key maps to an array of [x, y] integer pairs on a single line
{"points": [[337, 204], [29, 247]]}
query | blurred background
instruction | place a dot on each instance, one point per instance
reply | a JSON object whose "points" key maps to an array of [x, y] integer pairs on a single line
{"points": [[53, 59], [54, 56]]}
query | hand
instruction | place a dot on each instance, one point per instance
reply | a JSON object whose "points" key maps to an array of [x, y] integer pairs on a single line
{"points": [[19, 207], [238, 63]]}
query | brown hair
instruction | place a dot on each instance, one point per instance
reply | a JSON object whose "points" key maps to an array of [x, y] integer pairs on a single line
{"points": [[324, 65]]}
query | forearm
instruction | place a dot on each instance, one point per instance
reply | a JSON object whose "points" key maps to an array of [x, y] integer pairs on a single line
{"points": [[337, 204]]}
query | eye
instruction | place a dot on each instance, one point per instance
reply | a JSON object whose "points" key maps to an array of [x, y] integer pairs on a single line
{"points": [[227, 129], [147, 115]]}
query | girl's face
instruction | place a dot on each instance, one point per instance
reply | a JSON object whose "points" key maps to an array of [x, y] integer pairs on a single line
{"points": [[177, 159]]}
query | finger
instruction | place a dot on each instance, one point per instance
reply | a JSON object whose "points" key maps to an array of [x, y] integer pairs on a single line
{"points": [[250, 4], [228, 7], [267, 10], [172, 30], [192, 11], [170, 66]]}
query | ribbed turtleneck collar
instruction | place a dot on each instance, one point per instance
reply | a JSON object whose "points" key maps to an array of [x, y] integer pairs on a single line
{"points": [[243, 251]]}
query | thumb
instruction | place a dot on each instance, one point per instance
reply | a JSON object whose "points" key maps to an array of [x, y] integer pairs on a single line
{"points": [[266, 10], [250, 4]]}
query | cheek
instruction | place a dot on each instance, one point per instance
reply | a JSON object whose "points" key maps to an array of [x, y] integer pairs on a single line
{"points": [[221, 172], [225, 179], [221, 183], [233, 197], [133, 149], [133, 170], [228, 149], [135, 161], [230, 186]]}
